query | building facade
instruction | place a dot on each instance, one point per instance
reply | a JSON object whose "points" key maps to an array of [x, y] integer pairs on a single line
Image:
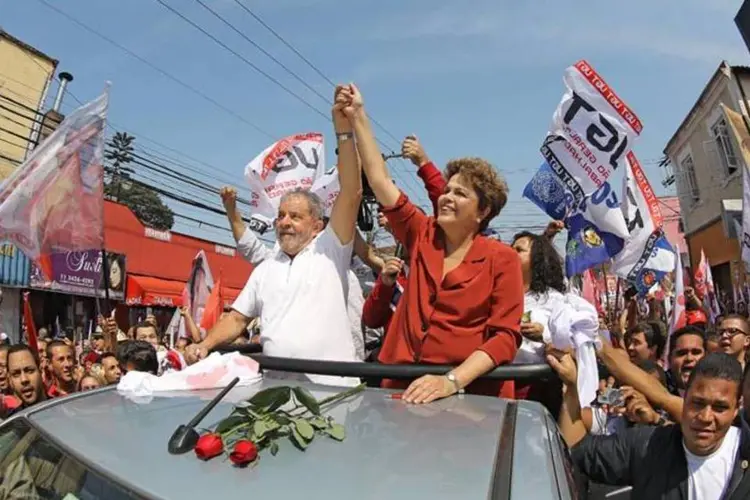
{"points": [[25, 77], [706, 167]]}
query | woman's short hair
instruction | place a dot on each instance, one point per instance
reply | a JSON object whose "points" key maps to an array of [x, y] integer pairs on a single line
{"points": [[490, 187]]}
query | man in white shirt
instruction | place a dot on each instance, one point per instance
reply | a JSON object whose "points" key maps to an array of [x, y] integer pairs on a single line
{"points": [[300, 293], [254, 251]]}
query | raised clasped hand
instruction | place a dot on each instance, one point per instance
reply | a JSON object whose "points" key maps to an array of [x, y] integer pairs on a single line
{"points": [[348, 101]]}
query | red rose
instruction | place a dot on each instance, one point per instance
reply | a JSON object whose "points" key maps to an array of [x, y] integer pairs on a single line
{"points": [[244, 452], [208, 446]]}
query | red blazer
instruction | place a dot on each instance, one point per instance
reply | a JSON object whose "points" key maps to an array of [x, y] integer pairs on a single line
{"points": [[439, 320], [434, 182], [376, 311]]}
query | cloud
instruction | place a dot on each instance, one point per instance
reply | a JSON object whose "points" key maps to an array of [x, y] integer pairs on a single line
{"points": [[495, 33]]}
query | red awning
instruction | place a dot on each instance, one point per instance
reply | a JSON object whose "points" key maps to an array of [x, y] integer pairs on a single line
{"points": [[149, 291]]}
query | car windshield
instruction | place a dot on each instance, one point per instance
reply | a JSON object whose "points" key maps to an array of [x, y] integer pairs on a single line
{"points": [[31, 467]]}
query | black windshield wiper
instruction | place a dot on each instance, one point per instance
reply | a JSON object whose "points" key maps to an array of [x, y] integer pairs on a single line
{"points": [[185, 437]]}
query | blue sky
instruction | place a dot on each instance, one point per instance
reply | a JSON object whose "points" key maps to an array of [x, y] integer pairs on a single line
{"points": [[472, 78]]}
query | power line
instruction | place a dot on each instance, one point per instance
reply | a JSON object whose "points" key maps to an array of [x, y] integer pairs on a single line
{"points": [[172, 196], [254, 66], [243, 59], [158, 69], [264, 51], [6, 158], [307, 61]]}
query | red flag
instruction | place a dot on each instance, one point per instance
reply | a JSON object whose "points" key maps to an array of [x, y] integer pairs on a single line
{"points": [[28, 318], [214, 307], [590, 291], [53, 201]]}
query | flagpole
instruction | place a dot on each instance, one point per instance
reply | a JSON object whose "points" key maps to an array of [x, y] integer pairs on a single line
{"points": [[618, 284], [105, 271], [606, 289]]}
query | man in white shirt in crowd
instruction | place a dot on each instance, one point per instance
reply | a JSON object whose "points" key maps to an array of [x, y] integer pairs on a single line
{"points": [[703, 457], [300, 293]]}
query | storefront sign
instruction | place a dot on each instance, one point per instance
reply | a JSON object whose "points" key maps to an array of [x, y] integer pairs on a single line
{"points": [[80, 273], [150, 232], [8, 250], [222, 250]]}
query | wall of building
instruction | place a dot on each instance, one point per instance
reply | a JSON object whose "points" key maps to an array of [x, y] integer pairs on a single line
{"points": [[10, 313], [712, 184], [694, 139], [25, 75]]}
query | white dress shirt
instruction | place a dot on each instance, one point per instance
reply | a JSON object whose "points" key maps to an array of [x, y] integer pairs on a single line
{"points": [[254, 251], [302, 302]]}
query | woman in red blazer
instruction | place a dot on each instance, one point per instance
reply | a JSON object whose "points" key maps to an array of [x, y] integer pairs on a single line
{"points": [[464, 298]]}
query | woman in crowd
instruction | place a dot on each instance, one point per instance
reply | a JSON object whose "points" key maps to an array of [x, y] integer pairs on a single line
{"points": [[464, 298], [544, 286], [89, 382]]}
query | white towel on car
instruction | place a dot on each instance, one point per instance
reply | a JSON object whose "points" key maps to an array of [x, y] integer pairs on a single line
{"points": [[214, 372]]}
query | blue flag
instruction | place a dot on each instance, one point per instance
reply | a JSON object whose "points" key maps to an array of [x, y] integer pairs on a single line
{"points": [[546, 191], [596, 231]]}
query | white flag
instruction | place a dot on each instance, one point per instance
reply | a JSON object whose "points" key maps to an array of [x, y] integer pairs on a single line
{"points": [[291, 163], [647, 255], [591, 133]]}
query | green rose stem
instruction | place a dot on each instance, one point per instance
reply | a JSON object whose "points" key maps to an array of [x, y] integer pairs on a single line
{"points": [[323, 402], [337, 397]]}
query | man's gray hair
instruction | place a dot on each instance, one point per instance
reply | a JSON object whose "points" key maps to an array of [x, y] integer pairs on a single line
{"points": [[313, 201]]}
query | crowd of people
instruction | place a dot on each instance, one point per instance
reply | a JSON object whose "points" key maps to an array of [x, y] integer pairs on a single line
{"points": [[452, 295]]}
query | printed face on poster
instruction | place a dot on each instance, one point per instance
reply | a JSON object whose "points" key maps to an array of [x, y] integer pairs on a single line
{"points": [[80, 273]]}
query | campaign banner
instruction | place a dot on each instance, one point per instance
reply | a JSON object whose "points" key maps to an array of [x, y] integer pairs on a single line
{"points": [[295, 162], [647, 256], [80, 273], [592, 130], [591, 134], [53, 201]]}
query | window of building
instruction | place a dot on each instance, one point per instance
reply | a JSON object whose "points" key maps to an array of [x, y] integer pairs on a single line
{"points": [[726, 155], [689, 184]]}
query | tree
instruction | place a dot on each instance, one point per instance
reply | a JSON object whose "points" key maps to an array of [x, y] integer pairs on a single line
{"points": [[144, 202]]}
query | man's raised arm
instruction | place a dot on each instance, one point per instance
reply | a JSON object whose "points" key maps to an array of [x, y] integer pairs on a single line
{"points": [[346, 206], [373, 164]]}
